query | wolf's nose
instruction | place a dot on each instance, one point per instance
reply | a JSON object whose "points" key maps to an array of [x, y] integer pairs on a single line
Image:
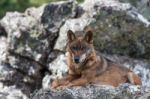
{"points": [[76, 59]]}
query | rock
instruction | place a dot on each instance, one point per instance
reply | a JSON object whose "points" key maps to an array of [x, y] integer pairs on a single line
{"points": [[2, 31], [91, 8], [125, 91], [33, 33], [143, 6], [118, 28], [14, 77], [59, 69], [53, 55], [47, 80], [3, 49], [19, 71], [27, 47], [11, 84], [52, 20], [20, 32], [33, 43], [11, 93], [120, 34], [59, 66], [6, 72]]}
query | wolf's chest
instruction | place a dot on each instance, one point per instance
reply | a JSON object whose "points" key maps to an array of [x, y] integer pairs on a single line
{"points": [[74, 69]]}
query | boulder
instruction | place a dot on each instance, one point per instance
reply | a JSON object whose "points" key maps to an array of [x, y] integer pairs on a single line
{"points": [[27, 41], [143, 6], [125, 91], [118, 28], [11, 93], [33, 45], [118, 33], [33, 33]]}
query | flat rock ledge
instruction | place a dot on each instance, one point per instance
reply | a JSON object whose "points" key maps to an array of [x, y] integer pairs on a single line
{"points": [[124, 91]]}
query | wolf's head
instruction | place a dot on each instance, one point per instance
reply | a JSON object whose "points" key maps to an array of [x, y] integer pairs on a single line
{"points": [[80, 46]]}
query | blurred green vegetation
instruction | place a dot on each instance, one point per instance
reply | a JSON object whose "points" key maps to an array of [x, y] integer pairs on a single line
{"points": [[21, 5]]}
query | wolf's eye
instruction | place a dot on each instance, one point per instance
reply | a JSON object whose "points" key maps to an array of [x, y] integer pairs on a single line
{"points": [[74, 48], [83, 48]]}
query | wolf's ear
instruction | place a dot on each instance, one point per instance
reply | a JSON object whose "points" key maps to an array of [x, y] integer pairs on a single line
{"points": [[71, 36], [89, 35]]}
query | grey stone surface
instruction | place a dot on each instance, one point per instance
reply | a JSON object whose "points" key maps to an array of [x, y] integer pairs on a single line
{"points": [[33, 44], [11, 93], [125, 91], [27, 41], [33, 33], [3, 48], [118, 33], [118, 28], [143, 6]]}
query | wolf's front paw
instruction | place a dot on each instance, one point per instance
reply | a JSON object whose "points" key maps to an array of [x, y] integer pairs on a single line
{"points": [[54, 84], [62, 87]]}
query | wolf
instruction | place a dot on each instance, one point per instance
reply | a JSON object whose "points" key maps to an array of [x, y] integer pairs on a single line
{"points": [[86, 67]]}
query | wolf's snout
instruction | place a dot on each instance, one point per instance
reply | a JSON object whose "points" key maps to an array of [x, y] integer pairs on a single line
{"points": [[77, 59]]}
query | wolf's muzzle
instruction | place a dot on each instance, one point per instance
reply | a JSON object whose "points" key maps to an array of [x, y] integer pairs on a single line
{"points": [[77, 59]]}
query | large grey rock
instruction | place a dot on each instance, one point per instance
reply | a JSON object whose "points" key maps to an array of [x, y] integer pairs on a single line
{"points": [[11, 93], [56, 13], [29, 41], [28, 44], [118, 33], [125, 91], [118, 28], [12, 77], [33, 33], [19, 71], [3, 49], [18, 27], [143, 6]]}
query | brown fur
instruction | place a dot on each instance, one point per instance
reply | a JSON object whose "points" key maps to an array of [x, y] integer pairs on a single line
{"points": [[94, 69]]}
